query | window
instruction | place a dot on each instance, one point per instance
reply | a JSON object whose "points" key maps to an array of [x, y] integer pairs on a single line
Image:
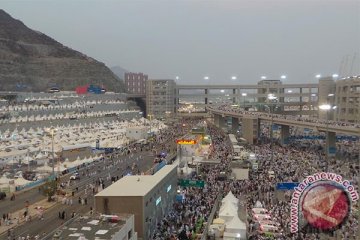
{"points": [[158, 200], [129, 234]]}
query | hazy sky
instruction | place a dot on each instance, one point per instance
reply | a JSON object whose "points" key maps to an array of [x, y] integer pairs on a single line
{"points": [[194, 38]]}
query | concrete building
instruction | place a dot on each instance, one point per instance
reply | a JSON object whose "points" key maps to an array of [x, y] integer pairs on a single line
{"points": [[327, 88], [292, 99], [148, 197], [160, 98], [105, 227], [347, 99], [136, 83]]}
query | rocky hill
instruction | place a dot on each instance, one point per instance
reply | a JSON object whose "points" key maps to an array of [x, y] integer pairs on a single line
{"points": [[119, 71], [32, 61]]}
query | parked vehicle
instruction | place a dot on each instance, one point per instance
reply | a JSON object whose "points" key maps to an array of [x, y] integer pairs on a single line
{"points": [[75, 176]]}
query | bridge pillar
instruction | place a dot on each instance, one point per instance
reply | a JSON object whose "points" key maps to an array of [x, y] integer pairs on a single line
{"points": [[222, 122], [234, 124], [331, 143], [285, 133], [250, 129], [206, 96], [216, 119]]}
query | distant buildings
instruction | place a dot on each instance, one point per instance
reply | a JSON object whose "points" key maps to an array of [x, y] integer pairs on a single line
{"points": [[160, 95], [347, 99], [136, 83]]}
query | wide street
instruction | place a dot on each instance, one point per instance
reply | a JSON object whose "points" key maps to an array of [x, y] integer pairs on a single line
{"points": [[115, 167]]}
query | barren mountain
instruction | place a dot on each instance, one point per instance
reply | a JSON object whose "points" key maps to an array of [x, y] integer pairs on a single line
{"points": [[32, 61]]}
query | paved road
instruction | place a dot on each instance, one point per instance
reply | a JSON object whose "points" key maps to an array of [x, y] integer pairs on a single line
{"points": [[51, 216], [52, 221]]}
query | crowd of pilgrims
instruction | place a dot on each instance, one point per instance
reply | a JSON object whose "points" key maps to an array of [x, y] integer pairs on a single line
{"points": [[291, 163]]}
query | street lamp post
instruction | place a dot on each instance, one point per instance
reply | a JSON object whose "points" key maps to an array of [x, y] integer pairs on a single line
{"points": [[270, 98], [244, 95], [52, 132], [52, 149], [327, 108]]}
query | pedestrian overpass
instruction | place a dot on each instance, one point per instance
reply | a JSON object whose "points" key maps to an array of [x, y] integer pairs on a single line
{"points": [[251, 125]]}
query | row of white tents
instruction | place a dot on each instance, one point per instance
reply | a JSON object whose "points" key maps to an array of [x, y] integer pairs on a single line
{"points": [[30, 107], [111, 133], [228, 225], [33, 118]]}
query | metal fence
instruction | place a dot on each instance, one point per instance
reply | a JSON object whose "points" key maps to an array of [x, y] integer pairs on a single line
{"points": [[212, 215], [34, 184]]}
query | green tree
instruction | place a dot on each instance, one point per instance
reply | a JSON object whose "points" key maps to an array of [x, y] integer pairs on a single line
{"points": [[49, 188]]}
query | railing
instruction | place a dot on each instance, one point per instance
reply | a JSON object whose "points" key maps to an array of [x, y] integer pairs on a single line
{"points": [[211, 216]]}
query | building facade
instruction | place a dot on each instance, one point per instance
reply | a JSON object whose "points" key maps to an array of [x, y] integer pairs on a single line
{"points": [[148, 197], [136, 83], [164, 98], [347, 99], [160, 95]]}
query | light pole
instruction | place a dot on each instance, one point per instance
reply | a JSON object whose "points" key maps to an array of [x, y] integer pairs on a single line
{"points": [[52, 132], [150, 116], [244, 95], [327, 108], [271, 97]]}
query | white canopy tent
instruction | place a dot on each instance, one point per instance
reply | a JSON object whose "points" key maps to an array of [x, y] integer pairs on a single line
{"points": [[236, 226]]}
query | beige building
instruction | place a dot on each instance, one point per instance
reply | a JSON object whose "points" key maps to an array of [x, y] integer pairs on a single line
{"points": [[347, 99], [160, 98], [148, 197], [164, 97]]}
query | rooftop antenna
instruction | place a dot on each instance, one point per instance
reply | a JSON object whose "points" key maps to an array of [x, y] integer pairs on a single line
{"points": [[352, 64]]}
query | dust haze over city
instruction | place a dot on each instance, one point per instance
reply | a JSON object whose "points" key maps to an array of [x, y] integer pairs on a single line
{"points": [[179, 120], [194, 39]]}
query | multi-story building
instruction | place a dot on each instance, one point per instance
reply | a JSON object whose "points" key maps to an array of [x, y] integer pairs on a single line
{"points": [[160, 98], [347, 99], [148, 197], [136, 83], [164, 97], [292, 99]]}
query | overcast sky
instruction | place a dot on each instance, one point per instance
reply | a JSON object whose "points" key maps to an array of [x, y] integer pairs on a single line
{"points": [[196, 38]]}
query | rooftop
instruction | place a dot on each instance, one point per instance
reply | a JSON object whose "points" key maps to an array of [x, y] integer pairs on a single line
{"points": [[102, 227], [137, 185]]}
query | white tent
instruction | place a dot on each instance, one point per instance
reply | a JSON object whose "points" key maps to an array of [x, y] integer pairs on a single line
{"points": [[45, 168], [227, 216], [228, 212], [230, 206], [230, 198], [236, 226], [21, 181], [258, 204], [4, 180]]}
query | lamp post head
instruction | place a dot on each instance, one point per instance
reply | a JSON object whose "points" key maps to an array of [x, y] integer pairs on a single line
{"points": [[271, 96], [325, 107]]}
